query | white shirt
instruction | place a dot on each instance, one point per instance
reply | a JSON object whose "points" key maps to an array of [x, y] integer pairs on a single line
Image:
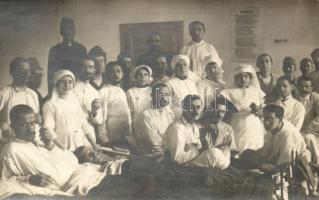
{"points": [[11, 96], [86, 94], [294, 111], [208, 91], [67, 122], [138, 99], [311, 104], [197, 51], [180, 89], [277, 148], [20, 159], [177, 136], [116, 112], [151, 126]]}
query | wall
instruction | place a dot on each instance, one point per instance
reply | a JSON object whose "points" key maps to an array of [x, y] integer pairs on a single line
{"points": [[97, 22]]}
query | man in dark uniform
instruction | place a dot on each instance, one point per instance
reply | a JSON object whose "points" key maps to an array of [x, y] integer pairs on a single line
{"points": [[65, 55]]}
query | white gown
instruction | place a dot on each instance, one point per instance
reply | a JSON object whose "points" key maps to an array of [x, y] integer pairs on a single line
{"points": [[248, 128]]}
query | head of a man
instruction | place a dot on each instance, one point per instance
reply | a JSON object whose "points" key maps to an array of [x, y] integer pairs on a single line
{"points": [[67, 28], [114, 73], [196, 30], [289, 66], [100, 60], [315, 58], [181, 69], [273, 116], [35, 79], [217, 111], [23, 122], [304, 85], [20, 71], [264, 63], [126, 63], [243, 79], [155, 41], [160, 95], [87, 68], [160, 66], [191, 108], [86, 154], [283, 87], [306, 66]]}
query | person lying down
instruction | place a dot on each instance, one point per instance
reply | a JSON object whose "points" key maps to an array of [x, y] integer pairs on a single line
{"points": [[44, 170]]}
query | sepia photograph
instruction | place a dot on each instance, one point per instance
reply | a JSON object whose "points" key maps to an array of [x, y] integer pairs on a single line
{"points": [[159, 99]]}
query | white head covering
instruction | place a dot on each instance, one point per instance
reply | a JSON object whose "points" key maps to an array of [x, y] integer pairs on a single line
{"points": [[178, 58], [246, 68], [214, 59], [143, 66], [57, 76], [61, 73]]}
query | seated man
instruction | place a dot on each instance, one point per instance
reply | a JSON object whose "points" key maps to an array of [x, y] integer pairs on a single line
{"points": [[215, 133], [152, 123], [294, 110], [310, 127], [182, 139], [45, 166]]}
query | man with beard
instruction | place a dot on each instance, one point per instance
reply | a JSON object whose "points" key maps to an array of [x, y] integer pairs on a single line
{"points": [[153, 123], [155, 50], [182, 139], [65, 55], [16, 93], [116, 112], [87, 95]]}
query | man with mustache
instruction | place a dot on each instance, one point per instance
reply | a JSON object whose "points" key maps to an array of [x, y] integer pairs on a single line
{"points": [[182, 139], [153, 123]]}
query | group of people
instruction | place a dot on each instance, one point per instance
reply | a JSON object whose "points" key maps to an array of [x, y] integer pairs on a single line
{"points": [[174, 107]]}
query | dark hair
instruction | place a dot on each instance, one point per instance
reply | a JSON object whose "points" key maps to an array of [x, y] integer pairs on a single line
{"points": [[189, 99], [304, 61], [87, 57], [314, 53], [278, 110], [261, 56], [97, 51], [283, 78], [121, 56], [196, 22], [288, 61], [78, 154], [18, 110], [158, 86], [304, 78], [110, 65], [16, 62]]}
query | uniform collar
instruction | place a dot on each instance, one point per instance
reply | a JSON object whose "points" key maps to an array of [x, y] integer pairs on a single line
{"points": [[18, 89]]}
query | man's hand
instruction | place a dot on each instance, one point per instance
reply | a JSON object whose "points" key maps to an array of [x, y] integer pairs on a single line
{"points": [[41, 180], [47, 138]]}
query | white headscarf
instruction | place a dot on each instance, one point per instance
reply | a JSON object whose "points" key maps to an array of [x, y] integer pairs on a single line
{"points": [[178, 58], [213, 59], [148, 69], [58, 76], [246, 68]]}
